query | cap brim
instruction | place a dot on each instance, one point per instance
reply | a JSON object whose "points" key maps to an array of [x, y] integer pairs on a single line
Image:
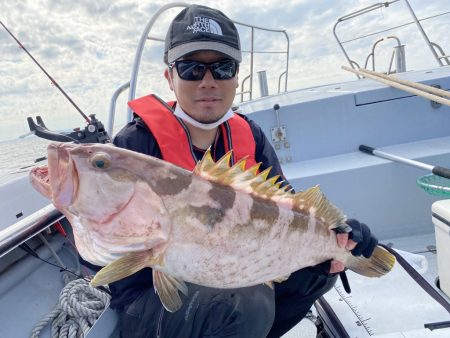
{"points": [[186, 48]]}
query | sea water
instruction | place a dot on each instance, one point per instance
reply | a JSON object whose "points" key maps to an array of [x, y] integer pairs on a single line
{"points": [[18, 156]]}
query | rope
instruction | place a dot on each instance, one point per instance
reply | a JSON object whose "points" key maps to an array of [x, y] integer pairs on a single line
{"points": [[78, 308]]}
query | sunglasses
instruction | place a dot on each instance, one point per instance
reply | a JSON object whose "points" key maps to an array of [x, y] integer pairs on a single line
{"points": [[195, 71]]}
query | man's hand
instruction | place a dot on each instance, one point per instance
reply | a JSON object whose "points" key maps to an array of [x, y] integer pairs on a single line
{"points": [[359, 241]]}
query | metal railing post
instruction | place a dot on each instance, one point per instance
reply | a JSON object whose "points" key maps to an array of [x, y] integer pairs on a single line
{"points": [[287, 62], [112, 106], [251, 61], [138, 55], [425, 36]]}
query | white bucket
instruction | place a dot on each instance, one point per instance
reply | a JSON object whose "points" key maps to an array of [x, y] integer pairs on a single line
{"points": [[441, 221]]}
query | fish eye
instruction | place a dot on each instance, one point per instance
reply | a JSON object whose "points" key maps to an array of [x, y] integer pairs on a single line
{"points": [[101, 161]]}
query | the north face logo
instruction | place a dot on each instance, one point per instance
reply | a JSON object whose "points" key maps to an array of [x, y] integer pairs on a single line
{"points": [[205, 25]]}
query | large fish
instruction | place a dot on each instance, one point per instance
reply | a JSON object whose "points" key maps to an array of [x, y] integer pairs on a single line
{"points": [[217, 226]]}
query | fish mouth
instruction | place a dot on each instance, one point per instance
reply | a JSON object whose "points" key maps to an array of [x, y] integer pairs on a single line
{"points": [[40, 180], [58, 180]]}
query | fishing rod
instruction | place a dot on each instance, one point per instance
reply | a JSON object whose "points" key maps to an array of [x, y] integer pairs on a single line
{"points": [[48, 75]]}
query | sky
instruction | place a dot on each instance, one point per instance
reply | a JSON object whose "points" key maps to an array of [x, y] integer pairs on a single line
{"points": [[88, 47]]}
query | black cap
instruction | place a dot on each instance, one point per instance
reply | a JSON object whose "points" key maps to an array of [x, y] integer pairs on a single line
{"points": [[198, 28]]}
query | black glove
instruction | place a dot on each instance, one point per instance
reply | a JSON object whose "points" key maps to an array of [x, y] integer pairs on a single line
{"points": [[361, 234]]}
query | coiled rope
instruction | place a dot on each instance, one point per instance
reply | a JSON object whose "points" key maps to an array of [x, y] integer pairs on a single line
{"points": [[78, 308]]}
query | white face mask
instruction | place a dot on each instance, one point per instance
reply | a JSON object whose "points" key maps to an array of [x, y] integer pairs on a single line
{"points": [[205, 126]]}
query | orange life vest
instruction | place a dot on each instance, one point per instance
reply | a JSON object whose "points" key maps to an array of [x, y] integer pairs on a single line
{"points": [[173, 137]]}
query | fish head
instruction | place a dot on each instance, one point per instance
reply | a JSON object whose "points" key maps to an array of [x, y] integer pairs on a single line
{"points": [[102, 191], [88, 180]]}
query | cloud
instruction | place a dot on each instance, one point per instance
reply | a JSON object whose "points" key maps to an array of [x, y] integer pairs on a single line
{"points": [[89, 48]]}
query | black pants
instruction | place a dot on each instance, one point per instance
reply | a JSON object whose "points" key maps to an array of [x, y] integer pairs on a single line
{"points": [[239, 313], [294, 297], [206, 312]]}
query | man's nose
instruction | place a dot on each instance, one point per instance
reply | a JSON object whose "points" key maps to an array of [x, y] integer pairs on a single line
{"points": [[208, 79]]}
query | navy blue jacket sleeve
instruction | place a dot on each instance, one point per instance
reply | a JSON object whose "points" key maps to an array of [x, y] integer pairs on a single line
{"points": [[137, 137]]}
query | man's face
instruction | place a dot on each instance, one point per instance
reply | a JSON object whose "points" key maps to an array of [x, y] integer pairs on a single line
{"points": [[206, 100]]}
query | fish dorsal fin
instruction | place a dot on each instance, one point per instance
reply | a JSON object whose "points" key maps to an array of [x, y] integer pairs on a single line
{"points": [[207, 164], [257, 184], [167, 288], [221, 171], [314, 201]]}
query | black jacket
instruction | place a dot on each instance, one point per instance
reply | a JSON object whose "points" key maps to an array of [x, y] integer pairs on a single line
{"points": [[137, 137]]}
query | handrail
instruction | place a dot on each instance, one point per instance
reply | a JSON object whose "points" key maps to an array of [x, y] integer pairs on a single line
{"points": [[145, 36], [14, 235], [140, 49], [279, 82], [394, 27], [400, 61], [377, 6], [242, 87], [446, 57], [255, 52], [112, 106], [351, 16], [372, 54], [425, 36]]}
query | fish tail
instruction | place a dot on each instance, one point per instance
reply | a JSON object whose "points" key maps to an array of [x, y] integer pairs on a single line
{"points": [[379, 264], [123, 267]]}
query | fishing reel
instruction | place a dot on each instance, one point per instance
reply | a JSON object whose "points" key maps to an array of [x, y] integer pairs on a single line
{"points": [[94, 132]]}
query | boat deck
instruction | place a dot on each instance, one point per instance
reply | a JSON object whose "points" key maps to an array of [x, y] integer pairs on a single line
{"points": [[29, 286], [398, 310]]}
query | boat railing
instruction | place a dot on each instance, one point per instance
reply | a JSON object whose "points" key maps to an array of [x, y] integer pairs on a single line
{"points": [[252, 53], [242, 92], [443, 55], [18, 233], [399, 52], [132, 84]]}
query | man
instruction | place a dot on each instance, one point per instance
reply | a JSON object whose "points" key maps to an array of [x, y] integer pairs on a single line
{"points": [[202, 51]]}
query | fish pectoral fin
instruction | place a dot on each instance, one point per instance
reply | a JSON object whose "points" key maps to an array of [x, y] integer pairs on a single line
{"points": [[281, 279], [124, 267], [167, 288], [269, 284]]}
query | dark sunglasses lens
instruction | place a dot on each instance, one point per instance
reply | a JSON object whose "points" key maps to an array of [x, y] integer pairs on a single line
{"points": [[195, 71], [191, 71], [224, 70]]}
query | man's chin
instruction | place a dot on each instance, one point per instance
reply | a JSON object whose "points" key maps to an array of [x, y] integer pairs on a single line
{"points": [[209, 121], [208, 116]]}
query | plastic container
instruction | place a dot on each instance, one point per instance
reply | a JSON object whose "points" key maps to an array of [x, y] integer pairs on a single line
{"points": [[441, 221]]}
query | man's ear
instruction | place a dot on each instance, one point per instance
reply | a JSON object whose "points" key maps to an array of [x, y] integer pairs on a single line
{"points": [[237, 78], [168, 77]]}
